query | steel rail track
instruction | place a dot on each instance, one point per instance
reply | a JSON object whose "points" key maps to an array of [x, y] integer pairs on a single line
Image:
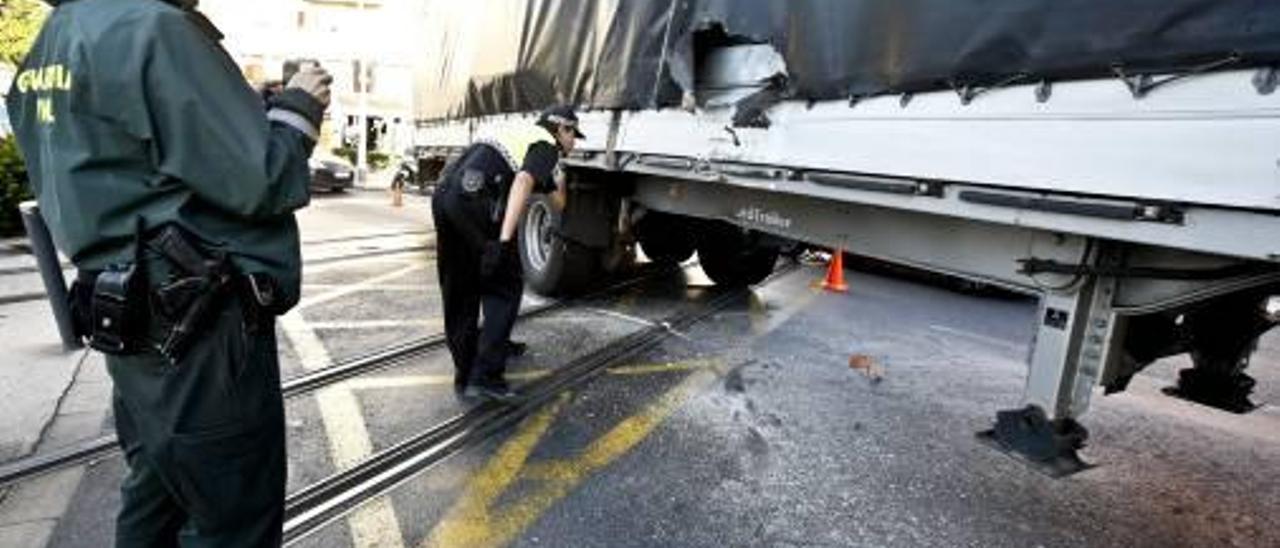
{"points": [[102, 446], [319, 504]]}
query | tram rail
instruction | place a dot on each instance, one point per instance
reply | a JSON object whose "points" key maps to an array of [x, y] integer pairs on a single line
{"points": [[311, 508], [30, 467]]}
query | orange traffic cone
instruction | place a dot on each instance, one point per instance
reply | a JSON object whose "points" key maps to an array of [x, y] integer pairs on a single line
{"points": [[835, 273]]}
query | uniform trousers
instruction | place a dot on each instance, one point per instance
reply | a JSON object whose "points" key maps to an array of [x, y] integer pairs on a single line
{"points": [[204, 438], [463, 223]]}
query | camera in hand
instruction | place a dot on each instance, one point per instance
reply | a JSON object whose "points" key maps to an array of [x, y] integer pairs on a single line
{"points": [[292, 66]]}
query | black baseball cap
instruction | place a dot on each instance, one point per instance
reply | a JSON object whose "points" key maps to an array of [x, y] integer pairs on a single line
{"points": [[560, 115]]}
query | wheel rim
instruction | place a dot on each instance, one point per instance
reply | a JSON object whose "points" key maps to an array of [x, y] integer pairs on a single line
{"points": [[537, 235]]}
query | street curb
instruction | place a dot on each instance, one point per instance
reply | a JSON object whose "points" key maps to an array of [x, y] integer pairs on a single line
{"points": [[22, 298], [16, 246], [9, 271]]}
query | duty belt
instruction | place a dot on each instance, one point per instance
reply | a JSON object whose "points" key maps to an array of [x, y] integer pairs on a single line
{"points": [[114, 306]]}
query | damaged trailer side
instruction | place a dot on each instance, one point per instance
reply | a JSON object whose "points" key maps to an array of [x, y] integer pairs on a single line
{"points": [[501, 56], [1117, 159]]}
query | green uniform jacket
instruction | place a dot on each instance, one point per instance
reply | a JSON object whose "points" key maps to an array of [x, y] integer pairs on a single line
{"points": [[128, 108]]}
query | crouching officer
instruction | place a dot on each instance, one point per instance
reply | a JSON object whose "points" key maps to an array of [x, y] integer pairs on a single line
{"points": [[477, 209], [172, 190]]}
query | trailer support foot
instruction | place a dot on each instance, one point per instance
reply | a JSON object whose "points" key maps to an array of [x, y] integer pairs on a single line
{"points": [[1223, 337], [1048, 446], [1226, 392]]}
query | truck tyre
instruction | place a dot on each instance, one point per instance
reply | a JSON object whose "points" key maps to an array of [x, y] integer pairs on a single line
{"points": [[665, 239], [734, 257], [552, 265]]}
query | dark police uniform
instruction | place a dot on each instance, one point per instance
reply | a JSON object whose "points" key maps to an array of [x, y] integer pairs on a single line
{"points": [[468, 210], [130, 114]]}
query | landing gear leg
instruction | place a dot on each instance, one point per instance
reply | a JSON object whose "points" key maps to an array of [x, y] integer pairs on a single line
{"points": [[1223, 336], [1074, 341]]}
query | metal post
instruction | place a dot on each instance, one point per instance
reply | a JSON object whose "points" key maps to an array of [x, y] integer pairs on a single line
{"points": [[50, 272], [362, 90], [362, 144]]}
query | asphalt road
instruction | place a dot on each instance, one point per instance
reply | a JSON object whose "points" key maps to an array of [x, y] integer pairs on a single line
{"points": [[749, 429]]}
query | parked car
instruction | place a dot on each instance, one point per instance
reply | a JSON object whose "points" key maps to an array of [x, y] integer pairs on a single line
{"points": [[331, 174]]}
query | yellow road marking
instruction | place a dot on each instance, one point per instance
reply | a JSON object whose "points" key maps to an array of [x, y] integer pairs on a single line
{"points": [[468, 522], [474, 522], [670, 367]]}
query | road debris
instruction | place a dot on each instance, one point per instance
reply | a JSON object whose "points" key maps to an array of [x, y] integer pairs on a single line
{"points": [[867, 366]]}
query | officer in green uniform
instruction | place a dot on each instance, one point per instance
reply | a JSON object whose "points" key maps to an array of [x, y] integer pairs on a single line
{"points": [[476, 210], [172, 190]]}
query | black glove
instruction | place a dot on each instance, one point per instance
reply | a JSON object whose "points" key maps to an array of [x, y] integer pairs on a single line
{"points": [[496, 256]]}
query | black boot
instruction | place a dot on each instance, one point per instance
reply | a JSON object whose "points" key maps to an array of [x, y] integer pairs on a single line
{"points": [[495, 393]]}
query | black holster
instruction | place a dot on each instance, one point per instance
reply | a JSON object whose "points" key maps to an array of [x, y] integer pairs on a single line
{"points": [[109, 309], [262, 301], [193, 293]]}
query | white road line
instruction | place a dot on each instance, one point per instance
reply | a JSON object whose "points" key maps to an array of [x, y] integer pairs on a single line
{"points": [[383, 287], [375, 524], [406, 258], [357, 287], [407, 381], [976, 337]]}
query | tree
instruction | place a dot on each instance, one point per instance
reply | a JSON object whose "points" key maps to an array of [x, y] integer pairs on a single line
{"points": [[13, 187], [20, 20]]}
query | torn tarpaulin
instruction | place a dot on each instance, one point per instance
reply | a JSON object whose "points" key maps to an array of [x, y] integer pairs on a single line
{"points": [[752, 110], [495, 56]]}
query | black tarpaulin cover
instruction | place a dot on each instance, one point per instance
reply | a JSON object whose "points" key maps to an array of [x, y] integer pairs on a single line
{"points": [[496, 56]]}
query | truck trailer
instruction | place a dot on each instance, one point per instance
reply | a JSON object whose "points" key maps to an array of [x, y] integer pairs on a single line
{"points": [[1119, 159]]}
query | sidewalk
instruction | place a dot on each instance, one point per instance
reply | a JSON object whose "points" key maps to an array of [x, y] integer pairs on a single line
{"points": [[49, 398], [378, 180], [19, 279], [16, 245]]}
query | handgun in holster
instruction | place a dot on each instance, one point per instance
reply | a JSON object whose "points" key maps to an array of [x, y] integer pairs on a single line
{"points": [[193, 295]]}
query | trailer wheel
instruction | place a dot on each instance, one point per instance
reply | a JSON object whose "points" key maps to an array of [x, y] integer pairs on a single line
{"points": [[734, 257], [552, 264], [665, 239]]}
